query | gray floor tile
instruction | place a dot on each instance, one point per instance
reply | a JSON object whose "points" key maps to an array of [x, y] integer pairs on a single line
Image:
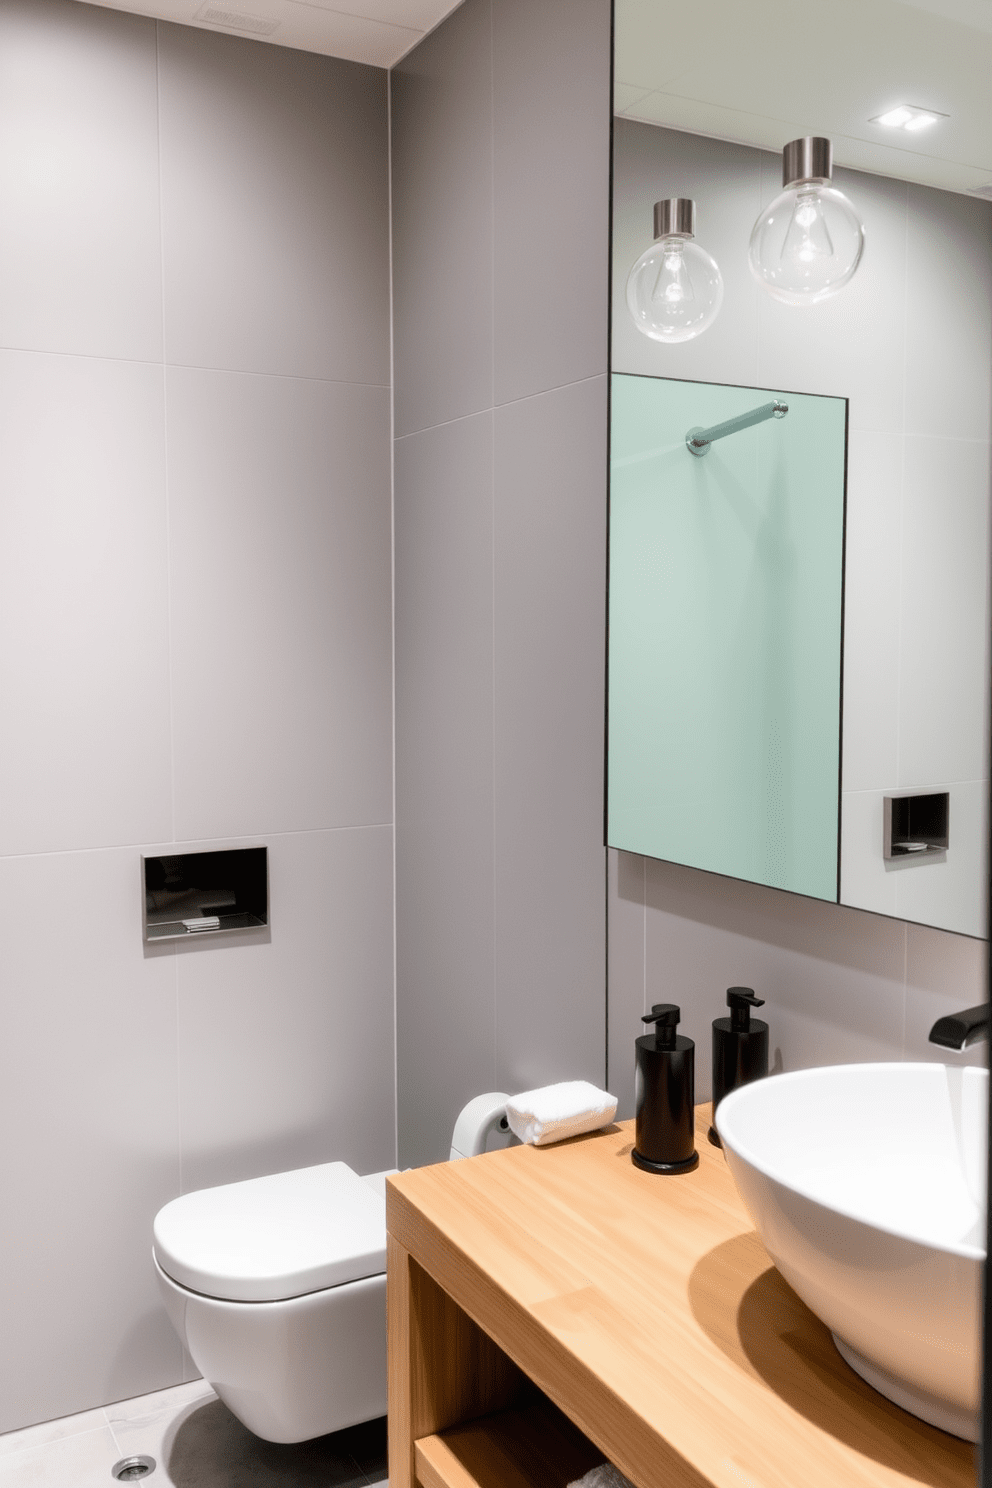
{"points": [[14, 1442], [83, 1460], [195, 1442]]}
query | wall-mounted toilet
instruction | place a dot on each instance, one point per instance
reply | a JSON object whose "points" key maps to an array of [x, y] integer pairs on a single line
{"points": [[277, 1287]]}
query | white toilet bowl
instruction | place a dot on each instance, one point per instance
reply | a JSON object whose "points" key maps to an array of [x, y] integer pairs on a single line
{"points": [[277, 1288]]}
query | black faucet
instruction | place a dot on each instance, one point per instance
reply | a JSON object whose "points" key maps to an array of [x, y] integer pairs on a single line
{"points": [[959, 1029]]}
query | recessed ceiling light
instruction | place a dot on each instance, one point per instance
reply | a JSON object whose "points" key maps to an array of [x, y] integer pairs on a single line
{"points": [[908, 116]]}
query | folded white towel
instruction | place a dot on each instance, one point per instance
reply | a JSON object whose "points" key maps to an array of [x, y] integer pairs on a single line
{"points": [[603, 1476], [555, 1112]]}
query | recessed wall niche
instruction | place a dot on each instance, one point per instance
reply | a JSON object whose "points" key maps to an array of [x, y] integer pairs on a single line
{"points": [[204, 894]]}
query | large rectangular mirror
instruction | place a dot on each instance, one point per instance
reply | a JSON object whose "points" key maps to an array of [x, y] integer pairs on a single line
{"points": [[906, 345]]}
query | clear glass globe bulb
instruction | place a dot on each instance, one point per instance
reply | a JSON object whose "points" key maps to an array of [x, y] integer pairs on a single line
{"points": [[807, 244], [674, 290]]}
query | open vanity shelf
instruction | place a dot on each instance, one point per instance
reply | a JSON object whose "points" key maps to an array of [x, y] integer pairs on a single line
{"points": [[552, 1307], [534, 1445]]}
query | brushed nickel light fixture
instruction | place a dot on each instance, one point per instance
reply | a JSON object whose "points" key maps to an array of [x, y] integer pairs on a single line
{"points": [[675, 289], [807, 245]]}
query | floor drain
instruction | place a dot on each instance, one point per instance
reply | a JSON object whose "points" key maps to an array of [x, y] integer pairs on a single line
{"points": [[130, 1468]]}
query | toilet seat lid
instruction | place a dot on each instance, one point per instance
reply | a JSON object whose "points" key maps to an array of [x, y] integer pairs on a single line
{"points": [[267, 1239]]}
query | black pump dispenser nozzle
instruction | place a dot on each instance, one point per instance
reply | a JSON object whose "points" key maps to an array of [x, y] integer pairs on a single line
{"points": [[740, 1048], [666, 1018], [664, 1129], [740, 1001]]}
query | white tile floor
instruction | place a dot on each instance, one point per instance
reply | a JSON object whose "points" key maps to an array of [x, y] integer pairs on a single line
{"points": [[196, 1443]]}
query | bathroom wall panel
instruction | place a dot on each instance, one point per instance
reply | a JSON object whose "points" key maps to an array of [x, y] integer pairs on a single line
{"points": [[444, 779], [84, 644], [551, 107], [281, 647], [442, 222], [510, 990], [872, 609], [274, 209], [944, 973], [80, 256], [88, 1069], [867, 878], [830, 997], [841, 985], [550, 561], [944, 661], [628, 997], [270, 504], [948, 368], [286, 1052]]}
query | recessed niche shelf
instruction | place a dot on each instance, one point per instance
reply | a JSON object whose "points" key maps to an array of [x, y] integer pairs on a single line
{"points": [[916, 826], [199, 895]]}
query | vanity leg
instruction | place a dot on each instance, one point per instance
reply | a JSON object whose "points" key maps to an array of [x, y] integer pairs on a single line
{"points": [[443, 1368]]}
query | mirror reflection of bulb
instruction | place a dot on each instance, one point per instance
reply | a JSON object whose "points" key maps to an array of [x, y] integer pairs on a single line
{"points": [[675, 290]]}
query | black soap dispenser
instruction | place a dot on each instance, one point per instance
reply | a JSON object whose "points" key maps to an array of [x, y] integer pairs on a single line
{"points": [[664, 1127], [740, 1048]]}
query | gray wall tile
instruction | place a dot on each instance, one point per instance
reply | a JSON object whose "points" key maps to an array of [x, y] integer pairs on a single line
{"points": [[550, 626], [840, 985], [286, 1050], [278, 624], [872, 603], [833, 979], [80, 253], [949, 272], [521, 998], [551, 170], [281, 668], [84, 642], [944, 974], [628, 997], [944, 631], [444, 779], [274, 208], [442, 164], [88, 1073]]}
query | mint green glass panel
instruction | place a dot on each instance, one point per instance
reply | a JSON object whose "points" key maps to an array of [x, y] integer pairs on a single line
{"points": [[726, 586]]}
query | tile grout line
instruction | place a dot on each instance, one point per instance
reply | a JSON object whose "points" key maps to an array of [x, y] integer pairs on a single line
{"points": [[91, 356], [560, 387], [492, 509], [170, 638], [392, 602], [109, 847], [902, 495], [165, 436]]}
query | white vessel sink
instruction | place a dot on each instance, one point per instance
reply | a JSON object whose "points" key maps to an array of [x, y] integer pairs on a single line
{"points": [[866, 1183]]}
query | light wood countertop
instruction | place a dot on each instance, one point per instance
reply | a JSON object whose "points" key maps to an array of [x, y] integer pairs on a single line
{"points": [[645, 1308]]}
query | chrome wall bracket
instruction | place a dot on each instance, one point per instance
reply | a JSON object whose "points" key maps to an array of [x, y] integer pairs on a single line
{"points": [[698, 440]]}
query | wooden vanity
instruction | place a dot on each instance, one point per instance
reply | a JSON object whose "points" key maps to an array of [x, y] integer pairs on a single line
{"points": [[549, 1307]]}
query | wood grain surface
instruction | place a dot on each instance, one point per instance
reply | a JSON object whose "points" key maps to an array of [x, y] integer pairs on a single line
{"points": [[535, 1446], [645, 1308]]}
